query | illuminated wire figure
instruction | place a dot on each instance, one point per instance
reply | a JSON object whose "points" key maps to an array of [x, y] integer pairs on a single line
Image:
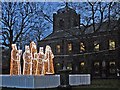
{"points": [[15, 67], [40, 62], [48, 65], [33, 51], [18, 63], [27, 61]]}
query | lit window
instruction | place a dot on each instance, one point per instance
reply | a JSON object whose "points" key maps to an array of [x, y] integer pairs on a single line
{"points": [[69, 66], [58, 64], [58, 67], [96, 46], [112, 63], [82, 64], [82, 47], [58, 48], [111, 45], [82, 67], [96, 64], [69, 47]]}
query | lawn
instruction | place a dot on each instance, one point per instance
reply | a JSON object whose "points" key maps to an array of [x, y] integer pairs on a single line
{"points": [[96, 84]]}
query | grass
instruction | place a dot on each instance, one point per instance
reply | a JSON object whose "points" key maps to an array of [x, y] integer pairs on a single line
{"points": [[109, 83], [96, 84]]}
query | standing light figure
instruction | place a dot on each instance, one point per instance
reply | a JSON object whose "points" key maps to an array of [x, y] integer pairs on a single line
{"points": [[48, 65], [40, 62], [33, 63], [27, 61], [33, 51], [15, 67], [18, 63]]}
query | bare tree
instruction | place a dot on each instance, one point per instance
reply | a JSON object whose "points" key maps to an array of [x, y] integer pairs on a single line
{"points": [[96, 13], [8, 20], [20, 19], [15, 21]]}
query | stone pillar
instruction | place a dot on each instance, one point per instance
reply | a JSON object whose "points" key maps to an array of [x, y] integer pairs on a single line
{"points": [[64, 79]]}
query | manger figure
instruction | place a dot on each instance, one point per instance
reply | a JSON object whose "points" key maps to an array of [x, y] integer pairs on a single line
{"points": [[40, 62], [15, 66], [27, 61], [33, 51], [48, 65]]}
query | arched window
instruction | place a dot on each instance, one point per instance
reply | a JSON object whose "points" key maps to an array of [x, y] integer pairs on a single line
{"points": [[61, 24], [82, 67], [96, 67], [82, 47], [96, 46], [58, 48], [69, 47], [58, 66], [112, 67], [111, 45]]}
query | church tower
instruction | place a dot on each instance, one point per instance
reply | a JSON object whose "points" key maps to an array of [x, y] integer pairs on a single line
{"points": [[65, 19]]}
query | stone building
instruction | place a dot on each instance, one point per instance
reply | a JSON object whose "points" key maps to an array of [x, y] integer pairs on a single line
{"points": [[95, 53]]}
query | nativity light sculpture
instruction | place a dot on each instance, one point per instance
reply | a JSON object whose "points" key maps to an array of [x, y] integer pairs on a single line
{"points": [[33, 63]]}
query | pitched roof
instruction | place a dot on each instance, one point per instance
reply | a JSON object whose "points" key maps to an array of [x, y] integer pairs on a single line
{"points": [[75, 31]]}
